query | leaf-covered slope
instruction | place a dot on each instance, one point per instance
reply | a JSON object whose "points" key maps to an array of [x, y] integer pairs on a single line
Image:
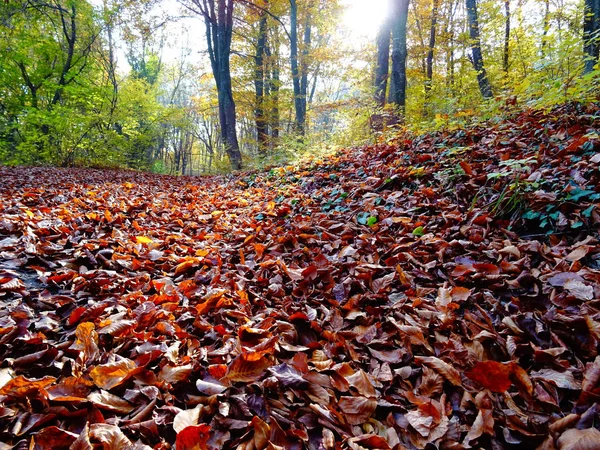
{"points": [[441, 289]]}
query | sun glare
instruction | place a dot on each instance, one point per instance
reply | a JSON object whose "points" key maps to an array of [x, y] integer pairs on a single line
{"points": [[363, 17]]}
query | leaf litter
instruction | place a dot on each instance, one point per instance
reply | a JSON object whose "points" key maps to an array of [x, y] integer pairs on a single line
{"points": [[439, 291]]}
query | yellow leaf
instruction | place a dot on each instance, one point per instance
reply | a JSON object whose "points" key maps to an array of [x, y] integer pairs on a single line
{"points": [[29, 214], [143, 240]]}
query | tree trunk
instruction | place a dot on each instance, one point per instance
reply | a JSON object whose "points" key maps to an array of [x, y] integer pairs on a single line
{"points": [[259, 85], [546, 27], [399, 53], [304, 64], [449, 30], [591, 34], [506, 54], [274, 85], [297, 74], [383, 63], [477, 57], [219, 27], [429, 59]]}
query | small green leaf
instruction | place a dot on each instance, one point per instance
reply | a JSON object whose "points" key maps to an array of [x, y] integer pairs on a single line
{"points": [[577, 224], [588, 211], [362, 218], [372, 221], [419, 231], [531, 215]]}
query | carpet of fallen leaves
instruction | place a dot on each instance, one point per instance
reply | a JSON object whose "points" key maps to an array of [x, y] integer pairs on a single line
{"points": [[440, 291]]}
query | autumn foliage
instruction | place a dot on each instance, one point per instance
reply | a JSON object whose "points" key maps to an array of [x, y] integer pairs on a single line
{"points": [[437, 291]]}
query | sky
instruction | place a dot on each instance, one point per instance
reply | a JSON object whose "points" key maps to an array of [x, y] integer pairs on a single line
{"points": [[361, 20]]}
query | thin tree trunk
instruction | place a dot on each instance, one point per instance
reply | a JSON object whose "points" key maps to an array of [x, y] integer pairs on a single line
{"points": [[591, 34], [304, 65], [399, 53], [506, 54], [449, 29], [477, 57], [383, 63], [429, 59], [546, 26], [296, 74], [273, 92], [219, 27], [259, 85]]}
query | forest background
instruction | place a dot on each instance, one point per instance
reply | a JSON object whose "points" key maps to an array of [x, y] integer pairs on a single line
{"points": [[205, 86]]}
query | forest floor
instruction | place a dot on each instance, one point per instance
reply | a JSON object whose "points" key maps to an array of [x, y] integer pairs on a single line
{"points": [[440, 291]]}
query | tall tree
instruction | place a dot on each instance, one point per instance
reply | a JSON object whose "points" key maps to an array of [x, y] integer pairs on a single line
{"points": [[259, 83], [429, 58], [546, 26], [299, 69], [218, 19], [506, 52], [591, 34], [476, 55], [397, 94], [382, 66]]}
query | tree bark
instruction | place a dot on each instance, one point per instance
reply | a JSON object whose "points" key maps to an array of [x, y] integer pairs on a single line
{"points": [[506, 54], [546, 27], [219, 27], [297, 74], [304, 64], [259, 85], [477, 57], [429, 58], [399, 53], [383, 63], [591, 34]]}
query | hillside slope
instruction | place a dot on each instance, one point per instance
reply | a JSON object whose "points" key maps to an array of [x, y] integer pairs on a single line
{"points": [[438, 290]]}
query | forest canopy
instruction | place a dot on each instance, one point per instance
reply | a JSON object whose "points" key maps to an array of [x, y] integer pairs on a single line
{"points": [[197, 86]]}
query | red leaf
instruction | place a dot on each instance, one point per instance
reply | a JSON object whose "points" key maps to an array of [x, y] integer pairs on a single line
{"points": [[193, 438], [491, 375]]}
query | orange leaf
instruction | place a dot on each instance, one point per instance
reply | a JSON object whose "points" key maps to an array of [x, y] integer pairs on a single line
{"points": [[491, 375], [21, 386], [466, 167], [247, 367], [107, 376]]}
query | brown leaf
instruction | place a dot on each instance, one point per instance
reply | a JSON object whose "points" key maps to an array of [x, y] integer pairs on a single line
{"points": [[112, 437], [580, 290], [579, 253], [590, 387], [361, 382], [357, 409], [71, 389], [83, 441], [564, 380], [441, 367], [174, 374], [574, 439], [106, 400], [210, 387], [53, 438], [186, 418]]}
